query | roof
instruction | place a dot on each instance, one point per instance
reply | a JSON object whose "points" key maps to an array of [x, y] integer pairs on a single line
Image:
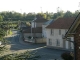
{"points": [[48, 22], [61, 23], [73, 26], [40, 20], [34, 30]]}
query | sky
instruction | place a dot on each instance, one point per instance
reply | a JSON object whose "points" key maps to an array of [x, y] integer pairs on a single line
{"points": [[36, 6]]}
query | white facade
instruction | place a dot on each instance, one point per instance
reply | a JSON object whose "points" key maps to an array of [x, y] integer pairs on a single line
{"points": [[44, 28], [55, 38], [33, 24], [44, 31]]}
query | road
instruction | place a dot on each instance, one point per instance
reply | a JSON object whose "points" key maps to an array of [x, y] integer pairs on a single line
{"points": [[17, 44]]}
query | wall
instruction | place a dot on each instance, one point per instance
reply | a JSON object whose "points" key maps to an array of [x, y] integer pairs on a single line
{"points": [[77, 43], [55, 37], [39, 24], [33, 24], [36, 24], [40, 40], [44, 31], [29, 34]]}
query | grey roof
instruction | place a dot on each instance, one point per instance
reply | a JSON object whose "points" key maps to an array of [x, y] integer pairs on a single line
{"points": [[48, 22]]}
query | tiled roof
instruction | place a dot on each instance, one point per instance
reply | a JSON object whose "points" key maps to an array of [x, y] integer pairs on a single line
{"points": [[34, 30], [40, 20], [61, 23]]}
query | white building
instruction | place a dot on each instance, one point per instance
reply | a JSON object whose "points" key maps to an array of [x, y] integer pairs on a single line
{"points": [[56, 31], [44, 28]]}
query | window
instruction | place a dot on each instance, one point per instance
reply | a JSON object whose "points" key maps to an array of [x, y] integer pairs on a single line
{"points": [[52, 32], [59, 32], [50, 41], [58, 42]]}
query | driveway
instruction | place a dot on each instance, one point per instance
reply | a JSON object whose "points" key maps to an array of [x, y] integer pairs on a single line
{"points": [[18, 44]]}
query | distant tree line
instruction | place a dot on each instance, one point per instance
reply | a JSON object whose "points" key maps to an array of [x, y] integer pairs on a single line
{"points": [[15, 16]]}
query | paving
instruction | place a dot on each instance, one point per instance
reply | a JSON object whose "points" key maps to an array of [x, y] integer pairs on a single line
{"points": [[18, 45]]}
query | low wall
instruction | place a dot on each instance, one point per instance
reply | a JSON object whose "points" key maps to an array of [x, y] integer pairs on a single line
{"points": [[38, 40]]}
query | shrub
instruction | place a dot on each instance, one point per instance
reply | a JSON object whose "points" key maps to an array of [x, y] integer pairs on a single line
{"points": [[22, 56], [67, 56]]}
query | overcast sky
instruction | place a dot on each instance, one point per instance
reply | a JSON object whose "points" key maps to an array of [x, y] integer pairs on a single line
{"points": [[38, 5]]}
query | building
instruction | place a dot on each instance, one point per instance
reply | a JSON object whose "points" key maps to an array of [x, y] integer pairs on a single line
{"points": [[44, 28], [35, 32], [38, 22], [74, 31], [56, 31]]}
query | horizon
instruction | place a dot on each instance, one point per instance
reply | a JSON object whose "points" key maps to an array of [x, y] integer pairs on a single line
{"points": [[37, 6]]}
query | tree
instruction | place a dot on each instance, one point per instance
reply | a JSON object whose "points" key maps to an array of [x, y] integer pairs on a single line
{"points": [[41, 15], [49, 15], [57, 15], [2, 38], [1, 18], [30, 16], [76, 13], [68, 14]]}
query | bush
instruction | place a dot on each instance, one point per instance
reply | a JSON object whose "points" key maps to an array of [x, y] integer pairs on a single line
{"points": [[22, 56], [67, 56]]}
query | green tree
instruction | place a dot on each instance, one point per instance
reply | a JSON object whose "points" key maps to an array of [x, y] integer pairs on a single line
{"points": [[1, 18], [58, 15], [30, 16], [49, 15], [2, 37], [68, 14], [76, 13], [41, 15]]}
